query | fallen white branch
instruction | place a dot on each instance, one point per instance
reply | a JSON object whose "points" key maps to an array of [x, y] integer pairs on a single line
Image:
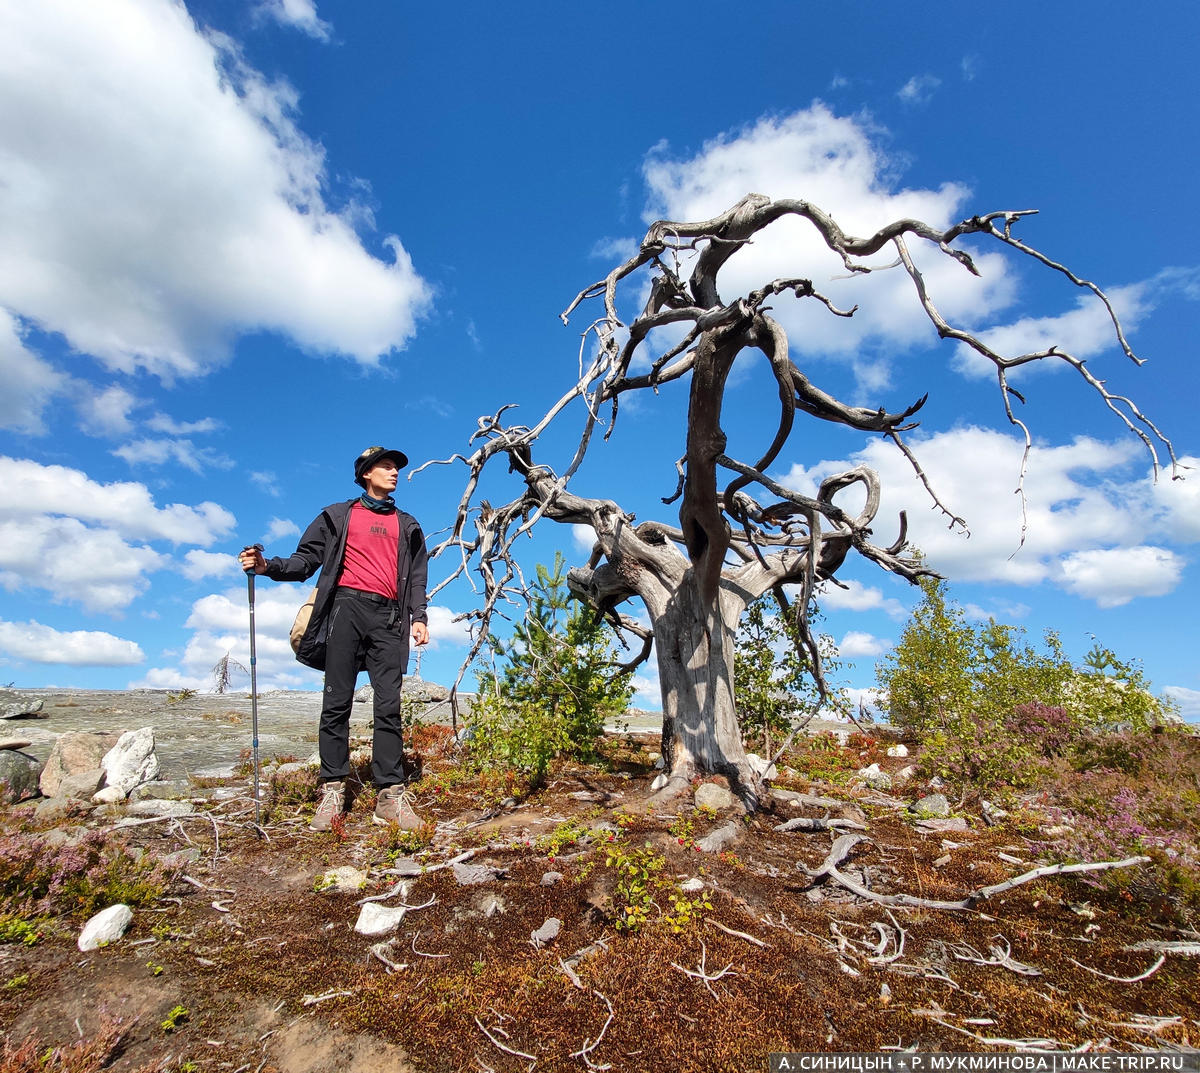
{"points": [[1162, 960], [497, 1043], [312, 1000], [736, 934], [585, 1051]]}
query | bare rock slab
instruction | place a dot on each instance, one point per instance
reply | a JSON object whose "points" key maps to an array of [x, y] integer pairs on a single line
{"points": [[30, 708]]}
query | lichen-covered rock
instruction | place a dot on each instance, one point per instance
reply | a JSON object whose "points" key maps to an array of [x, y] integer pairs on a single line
{"points": [[376, 919], [717, 798], [18, 776]]}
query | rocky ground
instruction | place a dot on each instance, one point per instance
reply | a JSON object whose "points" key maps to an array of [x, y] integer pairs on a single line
{"points": [[576, 928]]}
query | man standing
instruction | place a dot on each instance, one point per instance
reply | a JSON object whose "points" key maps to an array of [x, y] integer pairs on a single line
{"points": [[373, 567]]}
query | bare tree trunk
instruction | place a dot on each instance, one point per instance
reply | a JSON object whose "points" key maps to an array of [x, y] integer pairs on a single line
{"points": [[694, 645]]}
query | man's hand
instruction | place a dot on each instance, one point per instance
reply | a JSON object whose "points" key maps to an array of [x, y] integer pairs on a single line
{"points": [[420, 633], [251, 559]]}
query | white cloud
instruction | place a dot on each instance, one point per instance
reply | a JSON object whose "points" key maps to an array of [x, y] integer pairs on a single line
{"points": [[201, 564], [168, 425], [28, 488], [1188, 701], [1114, 576], [1177, 501], [29, 382], [919, 89], [180, 452], [859, 597], [32, 642], [834, 163], [267, 481], [856, 644], [280, 528], [1082, 534], [301, 14], [92, 567], [203, 212], [584, 537], [443, 630], [220, 623], [614, 249], [107, 412], [1001, 611]]}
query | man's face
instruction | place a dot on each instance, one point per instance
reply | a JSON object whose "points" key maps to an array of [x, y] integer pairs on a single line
{"points": [[381, 478]]}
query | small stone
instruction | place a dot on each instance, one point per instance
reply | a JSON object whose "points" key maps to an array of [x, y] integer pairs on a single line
{"points": [[405, 866], [659, 782], [343, 880], [181, 858], [875, 777], [493, 904], [376, 919], [161, 790], [905, 774], [470, 875], [692, 885], [762, 768], [14, 743], [942, 861], [717, 798], [933, 805], [992, 814], [53, 810], [937, 782], [107, 926], [547, 933], [1059, 830], [550, 878], [897, 750], [814, 895], [109, 795], [720, 838]]}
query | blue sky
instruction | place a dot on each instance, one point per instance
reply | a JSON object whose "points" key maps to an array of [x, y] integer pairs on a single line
{"points": [[239, 242]]}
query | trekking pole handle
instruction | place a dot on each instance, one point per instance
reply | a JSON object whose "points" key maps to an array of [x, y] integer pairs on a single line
{"points": [[251, 547]]}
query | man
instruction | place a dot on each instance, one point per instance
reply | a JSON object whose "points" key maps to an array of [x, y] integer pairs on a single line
{"points": [[373, 567]]}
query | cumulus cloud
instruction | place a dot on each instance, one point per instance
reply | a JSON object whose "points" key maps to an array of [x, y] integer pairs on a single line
{"points": [[29, 488], [183, 453], [299, 14], [107, 412], [857, 644], [219, 624], [203, 213], [198, 565], [835, 163], [1114, 576], [1188, 701], [280, 528], [31, 642], [1081, 534], [92, 567], [29, 382], [859, 597]]}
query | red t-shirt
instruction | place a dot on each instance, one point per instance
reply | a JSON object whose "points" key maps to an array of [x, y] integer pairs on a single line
{"points": [[372, 549]]}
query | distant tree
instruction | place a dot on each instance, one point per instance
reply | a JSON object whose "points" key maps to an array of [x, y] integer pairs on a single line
{"points": [[739, 533], [222, 673]]}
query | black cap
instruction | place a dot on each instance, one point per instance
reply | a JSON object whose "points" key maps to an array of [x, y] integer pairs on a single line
{"points": [[375, 454]]}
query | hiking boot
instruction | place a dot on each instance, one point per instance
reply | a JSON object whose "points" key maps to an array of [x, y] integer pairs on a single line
{"points": [[395, 806], [331, 805]]}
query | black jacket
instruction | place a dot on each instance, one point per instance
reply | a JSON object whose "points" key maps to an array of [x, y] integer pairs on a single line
{"points": [[323, 547]]}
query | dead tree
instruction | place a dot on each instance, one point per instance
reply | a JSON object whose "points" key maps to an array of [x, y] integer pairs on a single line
{"points": [[740, 533]]}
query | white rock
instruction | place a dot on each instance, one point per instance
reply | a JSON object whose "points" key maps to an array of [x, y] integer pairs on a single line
{"points": [[110, 795], [107, 926], [710, 795], [548, 932], [376, 919], [659, 782], [131, 761], [761, 767], [692, 885], [875, 778], [897, 750]]}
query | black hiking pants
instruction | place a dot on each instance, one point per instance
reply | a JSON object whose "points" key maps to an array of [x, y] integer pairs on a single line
{"points": [[364, 629]]}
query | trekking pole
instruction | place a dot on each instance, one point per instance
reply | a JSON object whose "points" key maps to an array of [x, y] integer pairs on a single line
{"points": [[253, 682]]}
